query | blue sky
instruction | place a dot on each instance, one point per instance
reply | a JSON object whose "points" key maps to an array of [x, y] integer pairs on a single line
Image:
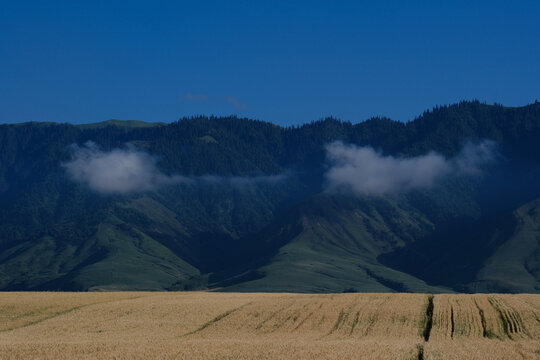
{"points": [[287, 62]]}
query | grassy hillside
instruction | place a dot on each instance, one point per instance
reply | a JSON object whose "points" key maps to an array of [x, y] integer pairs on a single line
{"points": [[498, 254], [514, 265], [337, 247], [254, 211], [116, 256]]}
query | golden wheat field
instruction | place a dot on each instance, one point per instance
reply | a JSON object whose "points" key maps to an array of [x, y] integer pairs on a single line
{"points": [[205, 325]]}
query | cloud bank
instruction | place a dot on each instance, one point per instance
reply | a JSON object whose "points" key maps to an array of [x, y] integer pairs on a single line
{"points": [[130, 170], [364, 171], [118, 171]]}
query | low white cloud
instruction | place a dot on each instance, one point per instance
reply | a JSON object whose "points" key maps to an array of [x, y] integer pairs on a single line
{"points": [[129, 170], [117, 171], [473, 156], [364, 171]]}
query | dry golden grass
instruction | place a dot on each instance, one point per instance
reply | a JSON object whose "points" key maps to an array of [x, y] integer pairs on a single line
{"points": [[201, 325]]}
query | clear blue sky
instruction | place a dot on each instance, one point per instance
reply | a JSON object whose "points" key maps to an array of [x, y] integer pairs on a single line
{"points": [[287, 62]]}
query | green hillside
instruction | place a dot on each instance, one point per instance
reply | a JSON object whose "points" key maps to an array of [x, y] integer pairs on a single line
{"points": [[337, 247], [242, 205], [515, 264]]}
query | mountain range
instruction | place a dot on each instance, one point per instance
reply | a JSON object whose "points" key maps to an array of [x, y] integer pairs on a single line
{"points": [[447, 202]]}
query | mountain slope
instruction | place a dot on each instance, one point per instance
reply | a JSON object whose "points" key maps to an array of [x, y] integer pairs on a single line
{"points": [[514, 266], [245, 205], [337, 247], [113, 255]]}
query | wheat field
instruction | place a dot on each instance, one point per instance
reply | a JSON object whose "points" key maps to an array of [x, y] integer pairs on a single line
{"points": [[206, 325]]}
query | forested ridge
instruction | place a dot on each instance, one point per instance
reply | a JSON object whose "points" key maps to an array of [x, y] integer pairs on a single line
{"points": [[240, 204]]}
